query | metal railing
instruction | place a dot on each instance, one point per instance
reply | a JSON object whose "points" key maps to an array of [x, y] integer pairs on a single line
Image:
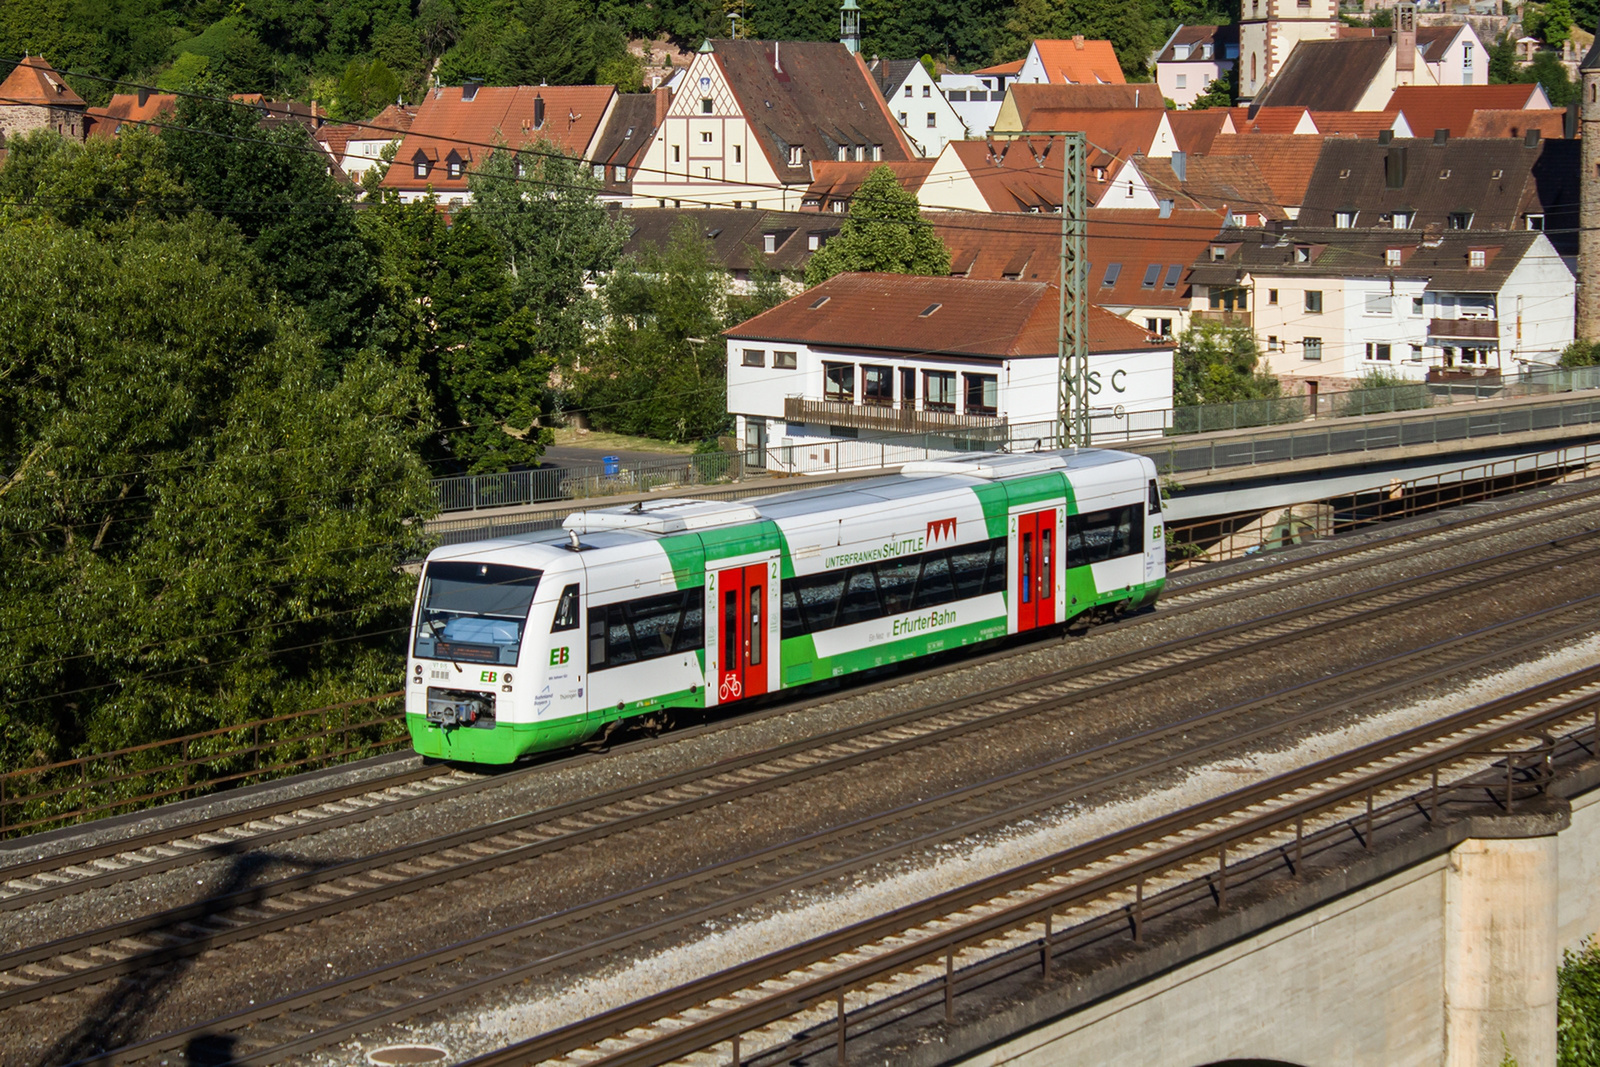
{"points": [[891, 418], [1109, 426], [126, 779]]}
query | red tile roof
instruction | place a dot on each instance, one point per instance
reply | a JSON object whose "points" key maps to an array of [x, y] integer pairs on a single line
{"points": [[1233, 184], [1354, 123], [1450, 107], [1080, 61], [1001, 68], [1266, 119], [933, 316], [1284, 160], [1195, 130], [833, 180], [446, 123], [1023, 173], [1487, 122], [1029, 98], [35, 81], [1028, 248]]}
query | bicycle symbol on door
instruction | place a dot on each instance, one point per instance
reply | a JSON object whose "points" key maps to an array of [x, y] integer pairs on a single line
{"points": [[731, 689]]}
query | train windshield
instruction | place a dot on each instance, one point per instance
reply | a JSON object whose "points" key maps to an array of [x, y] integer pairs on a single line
{"points": [[474, 612]]}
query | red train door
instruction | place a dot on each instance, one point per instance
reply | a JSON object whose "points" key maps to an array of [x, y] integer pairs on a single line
{"points": [[741, 632], [1035, 584]]}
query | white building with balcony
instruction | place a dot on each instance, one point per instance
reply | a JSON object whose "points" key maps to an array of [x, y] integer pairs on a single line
{"points": [[880, 356]]}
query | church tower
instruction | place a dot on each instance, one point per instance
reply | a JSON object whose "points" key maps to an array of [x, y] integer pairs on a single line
{"points": [[1588, 324]]}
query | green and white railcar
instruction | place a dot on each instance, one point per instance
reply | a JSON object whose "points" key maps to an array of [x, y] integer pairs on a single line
{"points": [[525, 644]]}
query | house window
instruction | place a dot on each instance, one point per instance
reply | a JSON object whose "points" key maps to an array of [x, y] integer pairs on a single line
{"points": [[454, 168], [599, 172], [1113, 272], [705, 172], [1272, 296], [1173, 273], [839, 382], [1150, 325], [619, 174], [927, 91], [1218, 253], [1166, 328], [769, 243], [705, 105], [1536, 222], [1343, 220], [1152, 274], [908, 92], [983, 394], [1416, 353], [1314, 300], [794, 156], [677, 154], [877, 152], [1311, 348], [1183, 81], [939, 390], [813, 242], [1476, 257], [843, 154], [705, 137], [908, 388], [755, 357], [1378, 352], [1416, 305], [902, 118], [1461, 220], [1272, 343], [784, 360], [1401, 220], [1302, 254], [422, 169], [877, 386], [1379, 304], [738, 153], [933, 120], [1391, 257]]}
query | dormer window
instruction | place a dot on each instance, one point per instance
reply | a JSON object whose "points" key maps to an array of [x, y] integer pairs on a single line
{"points": [[1402, 219], [769, 243], [453, 168], [422, 168], [1461, 220], [1205, 51], [794, 156], [1343, 220], [1218, 253], [1302, 253], [1391, 257], [1477, 257], [1180, 52]]}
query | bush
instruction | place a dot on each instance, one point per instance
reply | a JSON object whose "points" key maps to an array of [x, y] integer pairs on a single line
{"points": [[1382, 392]]}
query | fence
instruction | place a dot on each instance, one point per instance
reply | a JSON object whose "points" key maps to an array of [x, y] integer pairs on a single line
{"points": [[58, 794], [1108, 427]]}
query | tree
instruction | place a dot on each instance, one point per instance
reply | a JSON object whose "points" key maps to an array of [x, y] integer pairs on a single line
{"points": [[275, 186], [1503, 61], [1548, 70], [1216, 364], [884, 232], [364, 90], [1218, 93], [196, 526], [1551, 21], [660, 369], [1580, 353], [449, 313], [91, 184], [1129, 27]]}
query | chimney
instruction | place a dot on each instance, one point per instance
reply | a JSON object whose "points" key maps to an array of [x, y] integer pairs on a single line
{"points": [[1569, 121], [1394, 167], [469, 89], [144, 98], [1077, 41], [1180, 166], [1405, 39], [538, 111], [1385, 136], [1441, 136], [1531, 139]]}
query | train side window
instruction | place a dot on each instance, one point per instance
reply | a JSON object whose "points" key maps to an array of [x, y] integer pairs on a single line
{"points": [[692, 630], [597, 638], [730, 630], [755, 625], [1046, 575], [1155, 498], [654, 622], [789, 611], [566, 611], [1027, 568], [934, 587], [998, 580], [896, 582], [619, 641], [860, 598], [969, 565]]}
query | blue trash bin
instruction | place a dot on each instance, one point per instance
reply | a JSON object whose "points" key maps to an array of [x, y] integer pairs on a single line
{"points": [[611, 465]]}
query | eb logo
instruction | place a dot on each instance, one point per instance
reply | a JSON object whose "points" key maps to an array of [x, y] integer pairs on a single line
{"points": [[558, 656], [488, 676]]}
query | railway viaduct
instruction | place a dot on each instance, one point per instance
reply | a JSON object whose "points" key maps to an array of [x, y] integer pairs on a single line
{"points": [[1435, 948]]}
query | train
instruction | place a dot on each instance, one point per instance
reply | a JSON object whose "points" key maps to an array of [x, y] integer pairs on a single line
{"points": [[527, 644]]}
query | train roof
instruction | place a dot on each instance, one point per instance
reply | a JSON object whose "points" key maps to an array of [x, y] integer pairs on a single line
{"points": [[648, 520]]}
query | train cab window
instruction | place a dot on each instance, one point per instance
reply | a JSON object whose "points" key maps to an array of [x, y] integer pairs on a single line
{"points": [[730, 630], [1154, 504], [597, 639], [566, 611], [1027, 568], [1046, 585], [1103, 535]]}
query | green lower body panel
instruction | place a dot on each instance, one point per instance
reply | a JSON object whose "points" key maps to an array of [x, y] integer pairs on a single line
{"points": [[504, 743]]}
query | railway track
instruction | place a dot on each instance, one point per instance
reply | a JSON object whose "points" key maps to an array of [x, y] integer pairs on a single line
{"points": [[804, 999], [726, 783], [52, 876]]}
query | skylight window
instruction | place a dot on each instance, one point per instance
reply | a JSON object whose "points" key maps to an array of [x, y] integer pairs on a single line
{"points": [[815, 304], [1173, 273], [929, 310], [1152, 274], [1113, 272]]}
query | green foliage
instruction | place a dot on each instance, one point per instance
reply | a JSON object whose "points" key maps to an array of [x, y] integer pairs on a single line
{"points": [[1551, 22], [660, 369], [884, 232], [197, 527], [1130, 27], [1548, 70], [365, 90], [93, 184], [1580, 353], [1379, 391], [1216, 364], [449, 311], [299, 221], [1503, 61], [1578, 1007], [1219, 92], [537, 41]]}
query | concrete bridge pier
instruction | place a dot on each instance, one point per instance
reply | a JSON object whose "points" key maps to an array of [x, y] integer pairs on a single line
{"points": [[1500, 943]]}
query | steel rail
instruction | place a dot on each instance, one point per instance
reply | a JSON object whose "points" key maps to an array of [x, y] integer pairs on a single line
{"points": [[984, 820], [136, 866], [214, 909], [804, 994]]}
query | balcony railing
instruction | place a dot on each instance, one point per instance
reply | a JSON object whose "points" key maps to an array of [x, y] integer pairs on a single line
{"points": [[1465, 329], [1224, 318], [888, 418]]}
